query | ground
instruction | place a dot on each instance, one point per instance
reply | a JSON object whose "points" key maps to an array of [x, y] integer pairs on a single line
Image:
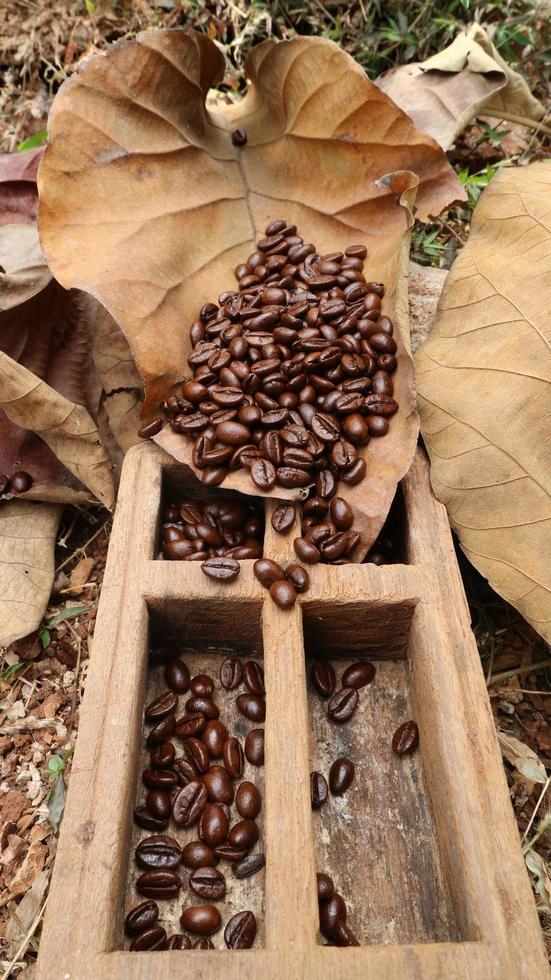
{"points": [[40, 44]]}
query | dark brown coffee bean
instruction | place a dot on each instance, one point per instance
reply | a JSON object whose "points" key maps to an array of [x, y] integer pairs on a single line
{"points": [[334, 546], [141, 917], [143, 818], [178, 941], [405, 738], [343, 704], [263, 474], [202, 685], [162, 730], [191, 725], [341, 775], [197, 854], [325, 427], [383, 405], [326, 484], [356, 472], [323, 677], [356, 429], [306, 551], [298, 577], [292, 476], [233, 757], [215, 737], [158, 852], [284, 595], [231, 673], [159, 778], [189, 804], [248, 800], [232, 433], [148, 430], [358, 675], [221, 569], [186, 771], [159, 883], [162, 756], [198, 753], [177, 676], [341, 513], [318, 790], [283, 518], [243, 834], [162, 706], [201, 920], [326, 888], [254, 747], [218, 785], [214, 825], [267, 571], [249, 865], [227, 852], [343, 935], [378, 426], [212, 476], [208, 883], [331, 911], [240, 931], [252, 706], [253, 675], [149, 939], [203, 706]]}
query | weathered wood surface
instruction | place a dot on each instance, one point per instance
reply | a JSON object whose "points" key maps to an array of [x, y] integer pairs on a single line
{"points": [[467, 840]]}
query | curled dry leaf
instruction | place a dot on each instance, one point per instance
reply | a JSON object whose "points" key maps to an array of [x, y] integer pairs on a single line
{"points": [[484, 392], [18, 193], [538, 867], [27, 538], [522, 757], [469, 78], [148, 205]]}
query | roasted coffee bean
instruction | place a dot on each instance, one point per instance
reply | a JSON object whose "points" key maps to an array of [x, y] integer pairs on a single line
{"points": [[243, 834], [231, 673], [189, 804], [326, 484], [150, 939], [159, 883], [151, 429], [162, 756], [343, 704], [201, 920], [141, 917], [331, 911], [159, 778], [162, 706], [198, 753], [283, 518], [240, 931], [254, 747], [191, 725], [202, 943], [377, 426], [214, 825], [253, 675], [267, 571], [177, 676], [143, 818], [318, 790], [326, 888], [202, 685], [215, 737], [218, 785], [248, 800], [186, 771], [249, 865], [162, 730], [233, 757], [203, 706], [284, 595], [334, 546], [341, 775], [197, 854], [306, 551], [298, 577], [263, 473], [178, 941], [208, 883], [232, 433], [358, 675], [252, 706], [158, 852], [341, 513], [323, 678], [355, 473], [221, 569], [356, 429], [227, 852], [343, 935], [405, 738]]}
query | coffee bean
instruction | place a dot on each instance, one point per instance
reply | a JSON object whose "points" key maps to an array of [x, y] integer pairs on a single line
{"points": [[177, 676], [162, 756], [162, 730], [158, 883], [189, 804], [331, 911], [186, 771], [162, 706], [341, 513], [227, 852], [283, 518], [323, 678], [197, 854], [284, 595], [267, 571], [198, 753], [203, 706], [233, 757], [249, 865], [218, 785], [248, 800], [232, 433], [214, 825], [343, 704], [252, 705], [243, 834], [343, 935], [221, 569], [377, 426], [253, 675], [202, 920], [254, 747], [341, 775], [263, 474], [358, 675], [240, 931], [151, 429], [202, 685], [215, 737], [149, 939], [405, 738], [231, 673], [326, 888], [178, 941], [193, 724], [208, 883], [356, 472], [143, 818], [159, 778], [318, 790], [141, 917], [158, 852], [306, 551]]}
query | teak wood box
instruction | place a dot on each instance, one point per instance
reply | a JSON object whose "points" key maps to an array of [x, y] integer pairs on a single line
{"points": [[447, 863]]}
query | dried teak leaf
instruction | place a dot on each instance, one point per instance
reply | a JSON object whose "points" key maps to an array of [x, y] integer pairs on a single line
{"points": [[484, 392]]}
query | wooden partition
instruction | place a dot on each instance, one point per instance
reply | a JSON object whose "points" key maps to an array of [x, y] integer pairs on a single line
{"points": [[432, 867]]}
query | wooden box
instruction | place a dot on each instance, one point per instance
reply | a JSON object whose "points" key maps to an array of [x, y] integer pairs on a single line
{"points": [[424, 848]]}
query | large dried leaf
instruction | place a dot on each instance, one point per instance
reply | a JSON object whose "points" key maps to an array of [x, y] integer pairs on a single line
{"points": [[484, 392], [467, 79], [27, 540], [68, 429], [18, 193]]}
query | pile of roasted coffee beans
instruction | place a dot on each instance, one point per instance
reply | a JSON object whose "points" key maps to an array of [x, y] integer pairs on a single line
{"points": [[283, 585], [20, 482], [341, 706], [196, 788], [228, 527]]}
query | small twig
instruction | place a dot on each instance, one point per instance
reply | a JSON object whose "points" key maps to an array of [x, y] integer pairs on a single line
{"points": [[26, 941], [505, 674], [82, 549], [522, 121], [65, 537], [452, 231], [536, 808], [77, 671], [515, 690]]}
